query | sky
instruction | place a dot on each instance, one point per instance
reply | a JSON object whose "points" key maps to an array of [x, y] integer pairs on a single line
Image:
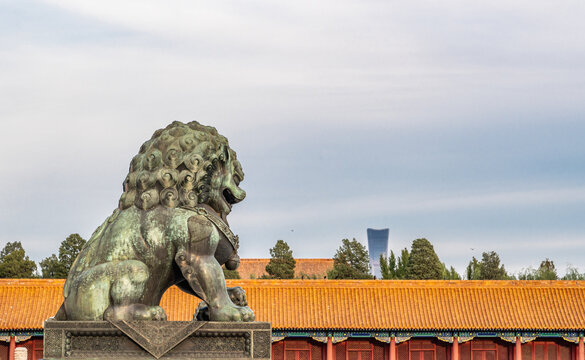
{"points": [[461, 122]]}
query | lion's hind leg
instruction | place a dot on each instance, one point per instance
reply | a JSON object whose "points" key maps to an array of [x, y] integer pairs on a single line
{"points": [[89, 294]]}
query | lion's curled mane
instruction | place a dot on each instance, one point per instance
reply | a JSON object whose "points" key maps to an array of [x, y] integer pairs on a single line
{"points": [[175, 167]]}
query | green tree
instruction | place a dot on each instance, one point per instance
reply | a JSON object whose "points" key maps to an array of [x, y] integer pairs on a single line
{"points": [[230, 274], [388, 266], [546, 271], [423, 262], [281, 264], [351, 261], [573, 274], [57, 267], [472, 270], [385, 268], [402, 264], [527, 274], [450, 273], [69, 250], [490, 268], [14, 263], [52, 268]]}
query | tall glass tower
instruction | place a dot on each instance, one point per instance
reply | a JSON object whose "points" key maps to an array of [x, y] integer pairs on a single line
{"points": [[377, 245]]}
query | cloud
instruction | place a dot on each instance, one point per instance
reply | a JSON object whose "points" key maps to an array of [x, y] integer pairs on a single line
{"points": [[435, 119], [393, 65]]}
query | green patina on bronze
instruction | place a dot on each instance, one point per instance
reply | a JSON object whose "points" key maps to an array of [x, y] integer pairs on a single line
{"points": [[170, 229]]}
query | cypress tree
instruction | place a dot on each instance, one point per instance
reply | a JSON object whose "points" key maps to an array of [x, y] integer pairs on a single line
{"points": [[423, 262], [490, 268], [57, 267], [281, 264], [14, 263], [351, 261]]}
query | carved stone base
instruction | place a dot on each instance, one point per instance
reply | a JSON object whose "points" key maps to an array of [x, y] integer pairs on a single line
{"points": [[156, 339]]}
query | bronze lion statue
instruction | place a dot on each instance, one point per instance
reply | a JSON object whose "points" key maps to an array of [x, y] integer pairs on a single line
{"points": [[170, 229]]}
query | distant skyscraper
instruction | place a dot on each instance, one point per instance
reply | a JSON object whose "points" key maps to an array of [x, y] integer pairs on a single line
{"points": [[377, 245]]}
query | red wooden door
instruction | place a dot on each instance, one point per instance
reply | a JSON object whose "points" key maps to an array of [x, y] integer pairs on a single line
{"points": [[297, 349], [484, 355], [359, 350]]}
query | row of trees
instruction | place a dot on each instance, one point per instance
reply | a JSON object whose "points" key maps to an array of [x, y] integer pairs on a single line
{"points": [[14, 263], [422, 263], [351, 261], [489, 268]]}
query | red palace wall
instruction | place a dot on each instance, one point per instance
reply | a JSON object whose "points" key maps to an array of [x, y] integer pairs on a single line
{"points": [[34, 349], [370, 349], [422, 349]]}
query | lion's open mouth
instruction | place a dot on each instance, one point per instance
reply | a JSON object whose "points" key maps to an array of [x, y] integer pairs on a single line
{"points": [[229, 197]]}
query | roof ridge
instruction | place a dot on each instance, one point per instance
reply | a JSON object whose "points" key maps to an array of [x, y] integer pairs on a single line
{"points": [[435, 284], [29, 282], [352, 282]]}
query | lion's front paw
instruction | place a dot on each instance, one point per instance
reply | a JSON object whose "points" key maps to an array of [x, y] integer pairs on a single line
{"points": [[232, 313]]}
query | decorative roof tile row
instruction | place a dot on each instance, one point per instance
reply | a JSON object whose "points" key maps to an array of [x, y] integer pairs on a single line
{"points": [[353, 304]]}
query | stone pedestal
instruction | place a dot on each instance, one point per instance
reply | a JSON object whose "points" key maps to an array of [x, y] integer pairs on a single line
{"points": [[156, 339]]}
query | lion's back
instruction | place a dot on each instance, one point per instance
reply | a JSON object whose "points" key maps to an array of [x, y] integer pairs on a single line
{"points": [[133, 234], [112, 241]]}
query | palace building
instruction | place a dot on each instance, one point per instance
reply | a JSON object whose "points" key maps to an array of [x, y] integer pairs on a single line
{"points": [[362, 319]]}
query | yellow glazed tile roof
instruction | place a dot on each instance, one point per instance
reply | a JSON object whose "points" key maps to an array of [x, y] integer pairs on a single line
{"points": [[354, 304]]}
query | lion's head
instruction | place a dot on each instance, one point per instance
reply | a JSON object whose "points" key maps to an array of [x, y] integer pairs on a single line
{"points": [[184, 165]]}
